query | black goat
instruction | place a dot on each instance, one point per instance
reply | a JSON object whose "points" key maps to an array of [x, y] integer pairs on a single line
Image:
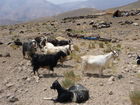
{"points": [[29, 48], [76, 93], [138, 60], [45, 61]]}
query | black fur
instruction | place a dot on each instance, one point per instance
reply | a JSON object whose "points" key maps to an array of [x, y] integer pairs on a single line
{"points": [[67, 95], [138, 60], [63, 94], [43, 60]]}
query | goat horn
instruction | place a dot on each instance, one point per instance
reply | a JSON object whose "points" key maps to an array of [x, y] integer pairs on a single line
{"points": [[45, 98], [57, 79]]}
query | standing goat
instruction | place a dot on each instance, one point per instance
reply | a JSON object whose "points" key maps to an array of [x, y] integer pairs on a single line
{"points": [[48, 61], [97, 62], [29, 48]]}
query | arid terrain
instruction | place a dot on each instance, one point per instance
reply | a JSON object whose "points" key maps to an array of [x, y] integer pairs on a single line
{"points": [[19, 87]]}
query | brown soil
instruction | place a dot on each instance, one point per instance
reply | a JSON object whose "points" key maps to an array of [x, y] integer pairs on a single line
{"points": [[16, 78]]}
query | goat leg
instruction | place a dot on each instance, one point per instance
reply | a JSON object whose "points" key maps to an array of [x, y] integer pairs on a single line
{"points": [[101, 72]]}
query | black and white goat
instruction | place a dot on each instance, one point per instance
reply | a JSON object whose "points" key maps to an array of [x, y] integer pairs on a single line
{"points": [[138, 60], [48, 61], [76, 93], [29, 48], [58, 41]]}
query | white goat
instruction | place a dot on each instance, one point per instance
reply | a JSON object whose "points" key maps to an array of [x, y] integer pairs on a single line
{"points": [[51, 49], [97, 62]]}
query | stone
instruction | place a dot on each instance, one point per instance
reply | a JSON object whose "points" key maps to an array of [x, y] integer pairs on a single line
{"points": [[119, 76], [131, 82], [8, 85], [6, 55], [101, 84], [136, 24], [12, 99], [110, 93], [112, 78]]}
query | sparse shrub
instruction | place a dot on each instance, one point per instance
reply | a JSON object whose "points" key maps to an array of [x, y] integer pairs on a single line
{"points": [[117, 47], [135, 97], [91, 45], [76, 48], [101, 45], [107, 50], [82, 43], [138, 75], [14, 47], [70, 79], [76, 57], [67, 83]]}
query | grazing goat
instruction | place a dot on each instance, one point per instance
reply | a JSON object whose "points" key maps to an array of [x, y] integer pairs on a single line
{"points": [[138, 60], [76, 93], [28, 48], [48, 61], [97, 62]]}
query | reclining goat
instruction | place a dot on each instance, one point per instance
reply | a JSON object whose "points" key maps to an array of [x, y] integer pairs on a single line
{"points": [[76, 93]]}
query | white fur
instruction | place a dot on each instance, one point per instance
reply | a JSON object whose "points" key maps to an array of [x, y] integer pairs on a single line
{"points": [[97, 62], [51, 49]]}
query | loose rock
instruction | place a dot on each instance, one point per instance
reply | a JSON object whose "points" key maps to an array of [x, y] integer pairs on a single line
{"points": [[110, 93]]}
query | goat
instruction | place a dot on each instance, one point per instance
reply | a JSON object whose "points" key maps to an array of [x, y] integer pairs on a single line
{"points": [[138, 60], [63, 41], [58, 41], [51, 49], [28, 48], [48, 61], [97, 62], [76, 93]]}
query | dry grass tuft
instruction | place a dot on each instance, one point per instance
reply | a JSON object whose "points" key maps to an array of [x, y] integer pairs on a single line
{"points": [[101, 45], [135, 97], [91, 45], [70, 79], [76, 48]]}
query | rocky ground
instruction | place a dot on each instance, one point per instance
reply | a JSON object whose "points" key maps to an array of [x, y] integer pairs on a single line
{"points": [[19, 87]]}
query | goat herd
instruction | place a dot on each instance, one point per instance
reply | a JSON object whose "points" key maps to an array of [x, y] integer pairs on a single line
{"points": [[57, 49]]}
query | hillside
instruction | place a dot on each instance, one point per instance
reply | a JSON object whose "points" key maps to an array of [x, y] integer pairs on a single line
{"points": [[98, 4], [19, 86], [78, 12], [135, 5], [23, 10]]}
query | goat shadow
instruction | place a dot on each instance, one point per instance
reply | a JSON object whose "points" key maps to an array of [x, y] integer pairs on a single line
{"points": [[51, 76], [97, 75], [64, 66]]}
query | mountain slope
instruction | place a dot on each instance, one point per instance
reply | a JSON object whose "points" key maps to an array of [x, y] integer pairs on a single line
{"points": [[98, 4], [78, 12], [134, 5], [22, 10]]}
